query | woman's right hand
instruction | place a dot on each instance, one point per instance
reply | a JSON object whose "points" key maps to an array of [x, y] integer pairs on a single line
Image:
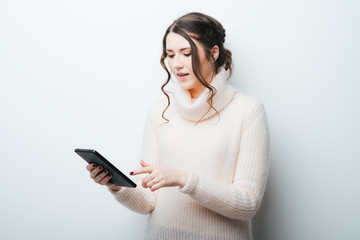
{"points": [[101, 176]]}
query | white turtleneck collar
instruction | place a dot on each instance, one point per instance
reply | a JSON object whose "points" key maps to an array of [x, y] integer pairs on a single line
{"points": [[194, 111]]}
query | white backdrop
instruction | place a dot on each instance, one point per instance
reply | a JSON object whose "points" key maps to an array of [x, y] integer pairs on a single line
{"points": [[83, 73]]}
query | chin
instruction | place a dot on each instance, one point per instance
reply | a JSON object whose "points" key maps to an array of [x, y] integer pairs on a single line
{"points": [[186, 85]]}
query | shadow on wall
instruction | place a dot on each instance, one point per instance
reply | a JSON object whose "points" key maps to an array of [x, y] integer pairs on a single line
{"points": [[260, 223]]}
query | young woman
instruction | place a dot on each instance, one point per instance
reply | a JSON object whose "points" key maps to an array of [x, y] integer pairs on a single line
{"points": [[206, 145]]}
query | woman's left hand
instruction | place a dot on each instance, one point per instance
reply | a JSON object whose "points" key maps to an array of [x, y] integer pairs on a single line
{"points": [[160, 176]]}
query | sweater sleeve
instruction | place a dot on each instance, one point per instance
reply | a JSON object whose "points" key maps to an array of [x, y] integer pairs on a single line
{"points": [[241, 199], [140, 199]]}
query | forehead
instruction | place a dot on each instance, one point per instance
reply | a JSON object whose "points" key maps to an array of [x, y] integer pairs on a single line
{"points": [[176, 42]]}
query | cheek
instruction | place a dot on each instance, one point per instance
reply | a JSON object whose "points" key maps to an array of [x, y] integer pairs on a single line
{"points": [[171, 65], [188, 62], [203, 61]]}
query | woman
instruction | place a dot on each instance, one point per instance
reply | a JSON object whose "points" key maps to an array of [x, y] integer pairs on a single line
{"points": [[206, 146]]}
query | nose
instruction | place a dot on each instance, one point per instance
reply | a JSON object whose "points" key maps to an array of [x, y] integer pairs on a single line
{"points": [[178, 63]]}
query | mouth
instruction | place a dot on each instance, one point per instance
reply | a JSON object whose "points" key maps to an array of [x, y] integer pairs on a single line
{"points": [[182, 75]]}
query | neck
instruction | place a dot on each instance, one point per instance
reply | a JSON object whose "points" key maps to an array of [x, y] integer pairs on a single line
{"points": [[199, 89], [196, 92]]}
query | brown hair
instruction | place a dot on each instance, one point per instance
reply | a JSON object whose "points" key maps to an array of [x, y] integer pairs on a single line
{"points": [[209, 32]]}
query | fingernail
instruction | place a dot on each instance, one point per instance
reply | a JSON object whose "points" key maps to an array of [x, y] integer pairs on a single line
{"points": [[131, 173], [106, 171], [100, 167]]}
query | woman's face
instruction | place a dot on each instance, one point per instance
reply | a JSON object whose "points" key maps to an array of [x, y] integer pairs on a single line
{"points": [[179, 60]]}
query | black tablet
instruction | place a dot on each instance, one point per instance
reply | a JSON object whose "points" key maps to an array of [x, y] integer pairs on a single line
{"points": [[118, 178]]}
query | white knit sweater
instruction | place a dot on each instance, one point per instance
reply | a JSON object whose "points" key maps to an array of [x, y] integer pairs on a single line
{"points": [[227, 159]]}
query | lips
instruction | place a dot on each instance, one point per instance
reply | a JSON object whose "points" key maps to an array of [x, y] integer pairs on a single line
{"points": [[182, 74]]}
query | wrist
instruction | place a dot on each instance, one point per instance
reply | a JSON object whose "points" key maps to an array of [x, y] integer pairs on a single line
{"points": [[183, 179], [115, 188]]}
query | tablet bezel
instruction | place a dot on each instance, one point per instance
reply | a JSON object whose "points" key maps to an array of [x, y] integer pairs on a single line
{"points": [[118, 178]]}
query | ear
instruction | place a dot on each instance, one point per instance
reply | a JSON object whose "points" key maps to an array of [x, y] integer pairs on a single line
{"points": [[215, 52]]}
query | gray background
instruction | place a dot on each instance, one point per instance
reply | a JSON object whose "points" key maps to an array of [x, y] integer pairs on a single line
{"points": [[83, 73]]}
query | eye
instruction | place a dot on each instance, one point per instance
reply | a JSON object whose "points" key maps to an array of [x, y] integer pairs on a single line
{"points": [[187, 54], [171, 56]]}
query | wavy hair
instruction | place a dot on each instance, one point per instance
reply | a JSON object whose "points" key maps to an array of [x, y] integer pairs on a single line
{"points": [[208, 32]]}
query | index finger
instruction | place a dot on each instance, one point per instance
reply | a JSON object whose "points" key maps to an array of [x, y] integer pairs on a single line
{"points": [[142, 170]]}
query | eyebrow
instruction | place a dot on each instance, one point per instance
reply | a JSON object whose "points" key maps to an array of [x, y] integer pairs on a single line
{"points": [[181, 49]]}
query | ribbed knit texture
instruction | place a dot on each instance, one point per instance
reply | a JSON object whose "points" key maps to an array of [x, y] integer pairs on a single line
{"points": [[227, 159]]}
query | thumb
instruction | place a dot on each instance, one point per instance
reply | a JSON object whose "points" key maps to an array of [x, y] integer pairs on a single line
{"points": [[144, 164]]}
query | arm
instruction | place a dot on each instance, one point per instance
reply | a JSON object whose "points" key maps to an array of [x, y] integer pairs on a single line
{"points": [[140, 199], [241, 199]]}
